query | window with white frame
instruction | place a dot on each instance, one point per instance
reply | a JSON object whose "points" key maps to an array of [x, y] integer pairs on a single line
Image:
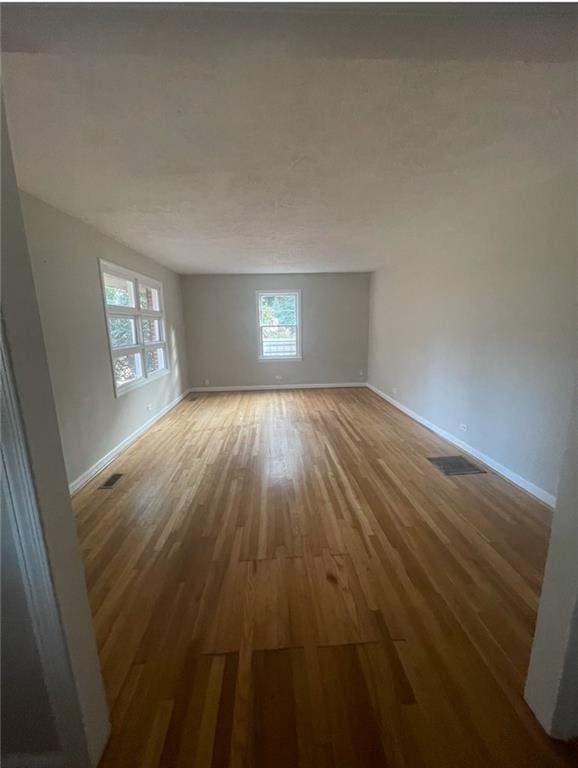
{"points": [[279, 316], [134, 311]]}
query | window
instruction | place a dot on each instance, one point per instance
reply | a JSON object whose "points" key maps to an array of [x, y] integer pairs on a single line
{"points": [[279, 325], [136, 333]]}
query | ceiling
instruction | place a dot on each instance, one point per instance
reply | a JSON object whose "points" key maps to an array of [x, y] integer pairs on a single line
{"points": [[242, 140]]}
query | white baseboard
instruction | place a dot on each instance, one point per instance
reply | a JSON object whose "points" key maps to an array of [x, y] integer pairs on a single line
{"points": [[84, 478], [47, 760], [254, 387], [526, 485], [500, 469]]}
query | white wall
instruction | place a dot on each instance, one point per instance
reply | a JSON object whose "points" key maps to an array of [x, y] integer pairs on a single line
{"points": [[473, 322], [222, 332], [65, 255], [25, 344]]}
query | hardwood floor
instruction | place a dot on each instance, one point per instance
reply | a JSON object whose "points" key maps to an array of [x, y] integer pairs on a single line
{"points": [[283, 579]]}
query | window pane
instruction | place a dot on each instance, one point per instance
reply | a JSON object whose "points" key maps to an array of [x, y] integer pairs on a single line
{"points": [[127, 368], [122, 331], [154, 359], [279, 341], [278, 309], [118, 291], [151, 330], [149, 297]]}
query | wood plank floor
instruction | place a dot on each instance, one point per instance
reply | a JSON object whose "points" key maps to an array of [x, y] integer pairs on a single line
{"points": [[283, 579]]}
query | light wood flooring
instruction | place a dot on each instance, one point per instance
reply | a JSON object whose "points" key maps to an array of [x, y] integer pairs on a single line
{"points": [[283, 579]]}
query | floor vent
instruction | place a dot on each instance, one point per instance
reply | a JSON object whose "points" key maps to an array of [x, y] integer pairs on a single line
{"points": [[110, 481], [456, 465]]}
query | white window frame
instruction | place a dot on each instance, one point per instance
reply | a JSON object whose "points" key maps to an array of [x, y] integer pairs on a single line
{"points": [[282, 358], [138, 315]]}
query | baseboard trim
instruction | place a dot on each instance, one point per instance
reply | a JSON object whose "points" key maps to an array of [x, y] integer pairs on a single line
{"points": [[500, 469], [97, 467], [86, 476], [258, 387]]}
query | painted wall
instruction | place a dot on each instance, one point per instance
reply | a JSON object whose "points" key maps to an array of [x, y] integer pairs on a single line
{"points": [[222, 332], [65, 255], [472, 322], [25, 344]]}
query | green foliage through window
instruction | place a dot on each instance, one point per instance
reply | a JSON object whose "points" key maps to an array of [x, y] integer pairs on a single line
{"points": [[278, 318], [120, 297], [122, 331], [279, 309], [127, 368], [135, 322]]}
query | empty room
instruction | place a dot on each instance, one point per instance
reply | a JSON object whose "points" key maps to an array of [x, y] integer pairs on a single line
{"points": [[289, 411]]}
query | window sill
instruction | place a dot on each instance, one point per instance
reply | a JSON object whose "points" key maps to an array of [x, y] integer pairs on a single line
{"points": [[131, 386], [280, 359]]}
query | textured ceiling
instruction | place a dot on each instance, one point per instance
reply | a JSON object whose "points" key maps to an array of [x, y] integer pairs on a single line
{"points": [[258, 142]]}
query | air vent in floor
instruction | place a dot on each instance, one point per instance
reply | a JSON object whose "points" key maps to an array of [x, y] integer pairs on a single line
{"points": [[110, 481], [456, 465]]}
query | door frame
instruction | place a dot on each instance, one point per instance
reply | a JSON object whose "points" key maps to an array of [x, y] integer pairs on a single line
{"points": [[22, 515]]}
